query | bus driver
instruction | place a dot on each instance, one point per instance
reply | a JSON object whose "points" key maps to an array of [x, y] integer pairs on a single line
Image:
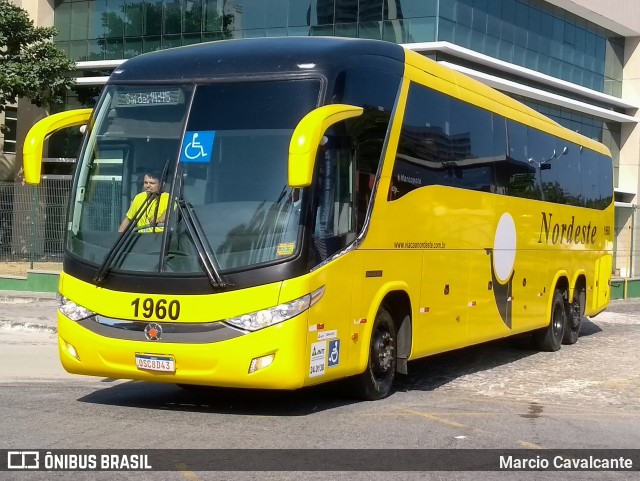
{"points": [[154, 213]]}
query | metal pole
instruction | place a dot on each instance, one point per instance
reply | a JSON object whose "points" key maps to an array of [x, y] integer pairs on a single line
{"points": [[633, 219], [114, 218], [32, 233]]}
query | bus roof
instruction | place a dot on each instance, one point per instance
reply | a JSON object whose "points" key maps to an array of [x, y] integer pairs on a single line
{"points": [[265, 56]]}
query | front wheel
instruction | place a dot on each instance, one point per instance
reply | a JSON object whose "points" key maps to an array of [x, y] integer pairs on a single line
{"points": [[377, 379], [550, 338]]}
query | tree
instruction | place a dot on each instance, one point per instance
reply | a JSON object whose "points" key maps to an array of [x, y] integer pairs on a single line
{"points": [[31, 66]]}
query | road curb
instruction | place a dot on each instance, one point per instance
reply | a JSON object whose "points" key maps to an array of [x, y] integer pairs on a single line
{"points": [[13, 296], [28, 326]]}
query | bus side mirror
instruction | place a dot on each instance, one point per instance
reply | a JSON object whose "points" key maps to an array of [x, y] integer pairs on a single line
{"points": [[34, 142], [307, 136]]}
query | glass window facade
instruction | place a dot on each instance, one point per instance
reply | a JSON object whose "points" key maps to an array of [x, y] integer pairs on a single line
{"points": [[539, 36], [530, 33]]}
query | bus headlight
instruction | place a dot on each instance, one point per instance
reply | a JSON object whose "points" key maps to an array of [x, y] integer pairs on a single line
{"points": [[254, 321], [73, 311]]}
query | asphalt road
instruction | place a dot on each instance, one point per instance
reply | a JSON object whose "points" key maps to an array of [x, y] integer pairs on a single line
{"points": [[498, 395]]}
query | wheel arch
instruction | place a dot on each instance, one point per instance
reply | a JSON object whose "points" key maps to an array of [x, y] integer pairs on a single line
{"points": [[560, 282], [394, 297], [579, 281], [399, 305]]}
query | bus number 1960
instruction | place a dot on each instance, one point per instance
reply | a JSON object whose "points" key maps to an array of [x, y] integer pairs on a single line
{"points": [[161, 308]]}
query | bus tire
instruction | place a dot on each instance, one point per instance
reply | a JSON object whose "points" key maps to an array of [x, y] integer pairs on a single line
{"points": [[377, 379], [550, 338], [574, 317]]}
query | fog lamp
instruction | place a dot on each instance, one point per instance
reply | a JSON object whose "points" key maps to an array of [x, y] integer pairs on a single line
{"points": [[261, 362], [71, 350]]}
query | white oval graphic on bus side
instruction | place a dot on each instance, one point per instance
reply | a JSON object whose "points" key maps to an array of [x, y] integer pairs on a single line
{"points": [[504, 248]]}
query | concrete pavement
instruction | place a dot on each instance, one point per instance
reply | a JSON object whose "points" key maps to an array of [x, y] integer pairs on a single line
{"points": [[28, 311]]}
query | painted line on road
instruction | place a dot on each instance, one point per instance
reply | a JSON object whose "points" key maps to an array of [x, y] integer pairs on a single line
{"points": [[440, 420], [455, 424], [186, 473], [529, 445], [446, 422], [582, 410]]}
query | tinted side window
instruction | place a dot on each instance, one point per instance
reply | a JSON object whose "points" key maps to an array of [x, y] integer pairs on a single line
{"points": [[568, 170], [471, 132], [605, 176], [542, 149], [517, 176], [446, 142], [424, 145], [517, 136], [543, 167], [590, 184]]}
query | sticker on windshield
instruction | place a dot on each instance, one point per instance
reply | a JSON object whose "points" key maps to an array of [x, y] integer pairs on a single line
{"points": [[197, 146], [286, 249]]}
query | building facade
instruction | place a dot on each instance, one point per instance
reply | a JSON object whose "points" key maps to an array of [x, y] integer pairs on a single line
{"points": [[576, 61]]}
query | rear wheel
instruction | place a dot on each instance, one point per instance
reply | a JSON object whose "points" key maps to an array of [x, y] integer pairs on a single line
{"points": [[377, 379], [550, 338], [574, 317]]}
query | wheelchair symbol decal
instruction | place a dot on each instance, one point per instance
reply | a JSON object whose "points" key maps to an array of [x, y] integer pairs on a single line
{"points": [[334, 353], [197, 146]]}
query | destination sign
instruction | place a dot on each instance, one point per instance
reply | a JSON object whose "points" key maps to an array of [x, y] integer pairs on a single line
{"points": [[148, 97]]}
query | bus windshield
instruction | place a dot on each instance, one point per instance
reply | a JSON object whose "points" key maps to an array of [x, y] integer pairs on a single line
{"points": [[221, 149]]}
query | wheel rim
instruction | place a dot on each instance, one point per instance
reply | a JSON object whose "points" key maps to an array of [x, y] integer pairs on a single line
{"points": [[382, 353], [558, 321]]}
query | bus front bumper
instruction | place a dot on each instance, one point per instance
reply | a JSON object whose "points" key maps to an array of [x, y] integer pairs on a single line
{"points": [[223, 363]]}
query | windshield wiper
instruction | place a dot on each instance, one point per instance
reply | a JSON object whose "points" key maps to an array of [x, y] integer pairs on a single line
{"points": [[198, 236], [103, 270], [201, 244]]}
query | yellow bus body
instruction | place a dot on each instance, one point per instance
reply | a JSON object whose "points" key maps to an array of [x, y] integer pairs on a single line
{"points": [[429, 247]]}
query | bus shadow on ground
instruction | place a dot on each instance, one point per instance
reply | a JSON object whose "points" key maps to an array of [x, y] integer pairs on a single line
{"points": [[426, 374], [222, 400], [431, 372], [588, 328]]}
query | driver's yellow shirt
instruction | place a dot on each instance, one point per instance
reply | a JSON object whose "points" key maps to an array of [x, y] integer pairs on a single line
{"points": [[148, 221]]}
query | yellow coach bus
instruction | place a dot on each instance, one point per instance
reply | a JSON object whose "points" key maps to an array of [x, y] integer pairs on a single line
{"points": [[316, 209]]}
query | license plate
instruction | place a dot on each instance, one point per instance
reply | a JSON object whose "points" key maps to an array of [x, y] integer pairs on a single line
{"points": [[149, 362]]}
